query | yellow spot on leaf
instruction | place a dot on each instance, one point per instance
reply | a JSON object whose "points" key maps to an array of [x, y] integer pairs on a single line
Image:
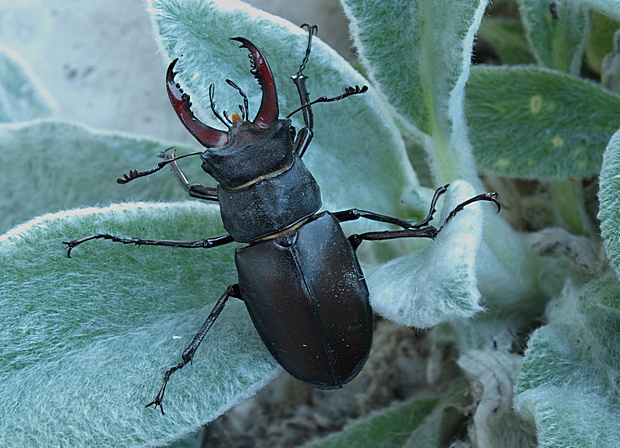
{"points": [[536, 104], [502, 162], [557, 141]]}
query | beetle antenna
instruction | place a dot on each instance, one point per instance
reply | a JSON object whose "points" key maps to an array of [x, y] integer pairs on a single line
{"points": [[215, 112], [135, 174], [349, 91], [245, 110]]}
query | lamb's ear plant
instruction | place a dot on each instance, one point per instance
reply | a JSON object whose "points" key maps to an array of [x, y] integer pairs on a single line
{"points": [[86, 339]]}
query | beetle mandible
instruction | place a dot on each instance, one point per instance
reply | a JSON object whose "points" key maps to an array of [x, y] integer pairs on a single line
{"points": [[298, 274]]}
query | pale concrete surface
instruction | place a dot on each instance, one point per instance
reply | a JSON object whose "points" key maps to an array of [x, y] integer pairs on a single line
{"points": [[99, 60]]}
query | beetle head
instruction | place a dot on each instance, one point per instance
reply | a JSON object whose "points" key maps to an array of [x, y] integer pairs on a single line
{"points": [[248, 149], [210, 137]]}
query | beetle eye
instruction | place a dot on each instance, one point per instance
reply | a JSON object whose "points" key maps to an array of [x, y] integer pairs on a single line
{"points": [[292, 131]]}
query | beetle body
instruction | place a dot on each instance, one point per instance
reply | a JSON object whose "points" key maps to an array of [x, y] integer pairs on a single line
{"points": [[307, 297], [298, 274]]}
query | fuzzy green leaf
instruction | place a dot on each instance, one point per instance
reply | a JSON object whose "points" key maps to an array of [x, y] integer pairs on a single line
{"points": [[418, 54], [419, 422], [22, 97], [53, 165], [123, 299], [389, 429], [557, 33], [86, 339], [609, 198], [437, 284], [506, 37], [569, 384], [601, 39], [530, 122], [610, 8], [354, 139]]}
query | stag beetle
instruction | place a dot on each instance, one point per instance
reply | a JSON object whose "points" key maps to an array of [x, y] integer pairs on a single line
{"points": [[298, 274]]}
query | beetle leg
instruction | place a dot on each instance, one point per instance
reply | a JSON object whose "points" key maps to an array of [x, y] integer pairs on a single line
{"points": [[420, 230], [206, 243], [354, 213], [194, 190], [305, 135], [425, 232], [188, 353]]}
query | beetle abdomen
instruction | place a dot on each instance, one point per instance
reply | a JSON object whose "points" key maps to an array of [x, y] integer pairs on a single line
{"points": [[308, 299]]}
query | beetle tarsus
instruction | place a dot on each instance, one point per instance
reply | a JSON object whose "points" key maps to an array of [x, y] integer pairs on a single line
{"points": [[305, 134], [348, 91], [157, 402], [188, 353], [490, 197], [312, 30]]}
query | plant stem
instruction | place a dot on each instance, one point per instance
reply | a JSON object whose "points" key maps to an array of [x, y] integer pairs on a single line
{"points": [[568, 197]]}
